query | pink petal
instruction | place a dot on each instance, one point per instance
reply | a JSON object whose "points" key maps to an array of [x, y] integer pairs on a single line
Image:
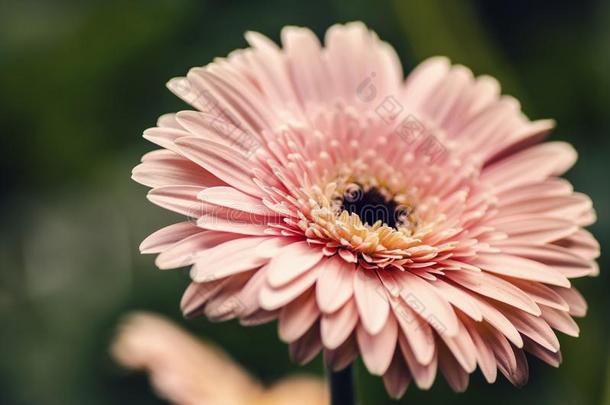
{"points": [[423, 375], [533, 133], [533, 230], [335, 328], [249, 295], [259, 317], [560, 258], [377, 350], [541, 294], [335, 285], [522, 268], [495, 318], [581, 243], [307, 347], [297, 317], [396, 379], [273, 246], [187, 250], [225, 304], [221, 161], [223, 224], [268, 63], [518, 375], [234, 199], [576, 302], [496, 288], [422, 81], [273, 298], [341, 357], [560, 320], [371, 300], [462, 348], [168, 236], [292, 261], [531, 165], [228, 258], [303, 52], [459, 298], [417, 332], [553, 359], [165, 168], [484, 353], [455, 375], [535, 328], [180, 199], [425, 300], [568, 207], [197, 294], [211, 127], [552, 187], [165, 137], [448, 96], [502, 349]]}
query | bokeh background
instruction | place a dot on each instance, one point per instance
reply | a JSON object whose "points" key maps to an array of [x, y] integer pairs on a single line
{"points": [[81, 80]]}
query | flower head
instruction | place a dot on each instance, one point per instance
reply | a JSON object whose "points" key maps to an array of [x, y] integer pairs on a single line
{"points": [[419, 223]]}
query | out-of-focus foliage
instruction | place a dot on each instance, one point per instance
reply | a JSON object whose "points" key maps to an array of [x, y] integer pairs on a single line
{"points": [[79, 81]]}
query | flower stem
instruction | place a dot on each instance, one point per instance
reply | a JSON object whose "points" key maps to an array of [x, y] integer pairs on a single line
{"points": [[342, 386]]}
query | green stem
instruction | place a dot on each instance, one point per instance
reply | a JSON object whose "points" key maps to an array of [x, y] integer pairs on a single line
{"points": [[342, 386]]}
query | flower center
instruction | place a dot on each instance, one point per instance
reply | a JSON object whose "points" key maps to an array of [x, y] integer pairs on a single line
{"points": [[373, 205]]}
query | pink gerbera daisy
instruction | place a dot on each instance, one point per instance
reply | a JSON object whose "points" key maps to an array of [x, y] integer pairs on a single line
{"points": [[418, 223]]}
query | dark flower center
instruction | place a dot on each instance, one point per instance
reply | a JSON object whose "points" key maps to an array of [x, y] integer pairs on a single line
{"points": [[371, 205]]}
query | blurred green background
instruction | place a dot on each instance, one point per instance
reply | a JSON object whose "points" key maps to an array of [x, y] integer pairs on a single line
{"points": [[80, 81]]}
